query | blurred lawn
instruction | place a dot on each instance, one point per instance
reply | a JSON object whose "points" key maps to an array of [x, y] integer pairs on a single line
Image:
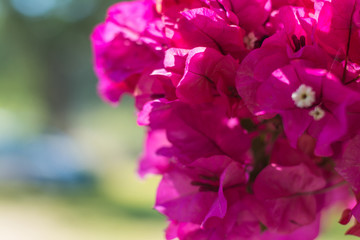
{"points": [[77, 217]]}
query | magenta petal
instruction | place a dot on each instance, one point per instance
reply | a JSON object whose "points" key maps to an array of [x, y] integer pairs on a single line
{"points": [[245, 10], [157, 109], [195, 88], [171, 231], [289, 215], [308, 232], [151, 161], [284, 191], [274, 94], [175, 59], [345, 217], [214, 164], [354, 230], [337, 29], [356, 212], [337, 99], [257, 67], [231, 176], [283, 154], [219, 207], [348, 165], [203, 27], [179, 200], [333, 127], [295, 122], [112, 92], [208, 74], [125, 45], [118, 52], [195, 132], [270, 183]]}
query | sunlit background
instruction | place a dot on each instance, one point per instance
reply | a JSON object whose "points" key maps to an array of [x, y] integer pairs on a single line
{"points": [[68, 160]]}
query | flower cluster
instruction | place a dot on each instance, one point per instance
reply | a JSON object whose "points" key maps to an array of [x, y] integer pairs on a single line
{"points": [[252, 110]]}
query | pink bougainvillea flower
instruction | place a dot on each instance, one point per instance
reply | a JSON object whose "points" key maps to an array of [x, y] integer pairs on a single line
{"points": [[152, 161], [338, 29], [309, 4], [242, 12], [284, 192], [308, 232], [293, 41], [111, 91], [277, 192], [196, 193], [257, 67], [175, 62], [231, 179], [129, 41], [308, 100], [347, 164], [173, 7], [294, 156], [239, 223], [208, 74], [203, 75], [180, 200], [198, 85], [252, 110], [153, 85], [284, 155], [197, 131], [202, 27]]}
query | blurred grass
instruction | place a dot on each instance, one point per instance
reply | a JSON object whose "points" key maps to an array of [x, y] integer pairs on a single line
{"points": [[82, 215]]}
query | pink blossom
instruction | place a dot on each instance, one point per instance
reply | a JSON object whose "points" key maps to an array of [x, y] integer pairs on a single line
{"points": [[152, 160], [283, 191], [338, 29], [309, 4], [333, 125], [308, 232], [123, 47], [293, 41], [347, 164], [251, 110], [199, 131], [153, 85], [208, 74], [170, 7], [239, 223], [196, 193], [202, 27], [241, 12]]}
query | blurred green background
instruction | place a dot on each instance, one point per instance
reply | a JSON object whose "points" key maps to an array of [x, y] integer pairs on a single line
{"points": [[68, 160]]}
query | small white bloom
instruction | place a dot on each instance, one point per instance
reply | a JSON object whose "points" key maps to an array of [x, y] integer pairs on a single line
{"points": [[304, 96], [317, 113], [250, 40]]}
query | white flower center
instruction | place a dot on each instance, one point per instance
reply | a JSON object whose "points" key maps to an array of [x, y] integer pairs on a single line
{"points": [[317, 113], [250, 40], [304, 96]]}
